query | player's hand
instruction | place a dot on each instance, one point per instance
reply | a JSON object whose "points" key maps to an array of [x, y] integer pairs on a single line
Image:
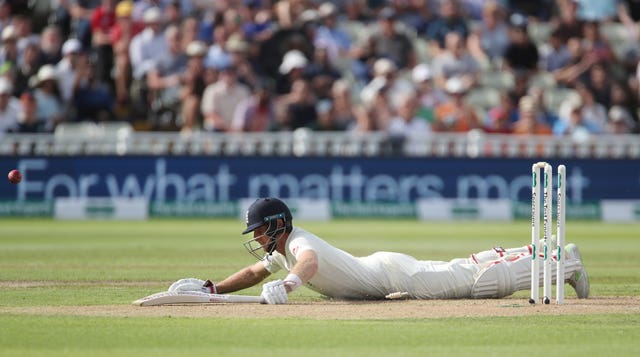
{"points": [[274, 292], [193, 284]]}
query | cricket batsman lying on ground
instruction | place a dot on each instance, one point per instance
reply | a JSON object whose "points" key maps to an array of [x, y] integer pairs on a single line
{"points": [[337, 274]]}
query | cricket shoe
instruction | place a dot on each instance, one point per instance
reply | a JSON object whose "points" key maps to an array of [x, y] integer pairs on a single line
{"points": [[579, 281]]}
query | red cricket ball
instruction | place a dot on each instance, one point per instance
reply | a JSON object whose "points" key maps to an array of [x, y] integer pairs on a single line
{"points": [[15, 177]]}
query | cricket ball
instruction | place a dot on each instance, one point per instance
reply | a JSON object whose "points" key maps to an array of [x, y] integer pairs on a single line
{"points": [[15, 177]]}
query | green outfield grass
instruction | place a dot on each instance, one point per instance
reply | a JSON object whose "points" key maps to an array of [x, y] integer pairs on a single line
{"points": [[53, 263]]}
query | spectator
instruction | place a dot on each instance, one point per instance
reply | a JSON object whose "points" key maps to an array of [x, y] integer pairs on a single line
{"points": [[9, 107], [173, 12], [428, 96], [287, 11], [189, 27], [145, 48], [237, 48], [284, 39], [568, 24], [555, 53], [193, 86], [66, 68], [416, 14], [9, 51], [28, 119], [474, 9], [342, 113], [80, 12], [220, 99], [256, 113], [141, 6], [299, 107], [92, 99], [24, 32], [321, 73], [449, 20], [498, 122], [508, 104], [391, 43], [5, 14], [544, 113], [377, 111], [406, 123], [595, 44], [575, 125], [521, 55], [621, 96], [163, 81], [27, 67], [123, 32], [60, 16], [47, 94], [594, 114], [291, 69], [246, 34], [231, 22], [103, 21], [363, 57], [521, 81], [217, 49], [628, 12], [260, 26], [325, 120], [489, 41], [599, 81], [620, 121], [529, 122], [328, 35], [385, 76], [455, 115], [455, 61], [578, 66], [50, 45]]}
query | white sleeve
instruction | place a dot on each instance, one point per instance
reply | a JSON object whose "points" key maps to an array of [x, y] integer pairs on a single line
{"points": [[299, 245]]}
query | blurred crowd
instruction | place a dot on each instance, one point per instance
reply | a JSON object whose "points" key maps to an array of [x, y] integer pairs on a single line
{"points": [[407, 67]]}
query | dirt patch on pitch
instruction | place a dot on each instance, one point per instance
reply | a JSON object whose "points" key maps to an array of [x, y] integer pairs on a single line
{"points": [[405, 309]]}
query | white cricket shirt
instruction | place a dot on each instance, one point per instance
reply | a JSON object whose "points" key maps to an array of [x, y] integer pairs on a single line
{"points": [[341, 275]]}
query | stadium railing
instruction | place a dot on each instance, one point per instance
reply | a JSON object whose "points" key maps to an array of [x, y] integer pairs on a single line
{"points": [[100, 140]]}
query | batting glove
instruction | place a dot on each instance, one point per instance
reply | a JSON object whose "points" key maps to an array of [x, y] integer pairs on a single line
{"points": [[274, 292], [194, 284]]}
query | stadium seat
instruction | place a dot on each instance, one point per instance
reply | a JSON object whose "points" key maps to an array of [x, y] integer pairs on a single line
{"points": [[497, 79], [483, 97], [356, 30], [543, 80], [119, 130], [421, 46], [554, 97], [75, 131], [615, 32], [539, 32]]}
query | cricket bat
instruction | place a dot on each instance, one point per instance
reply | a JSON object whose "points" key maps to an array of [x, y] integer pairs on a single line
{"points": [[195, 297]]}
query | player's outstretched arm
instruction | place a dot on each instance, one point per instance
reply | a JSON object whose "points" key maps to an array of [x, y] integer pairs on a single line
{"points": [[304, 269], [243, 279]]}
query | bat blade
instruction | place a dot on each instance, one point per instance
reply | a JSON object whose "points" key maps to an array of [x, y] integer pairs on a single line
{"points": [[194, 297]]}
